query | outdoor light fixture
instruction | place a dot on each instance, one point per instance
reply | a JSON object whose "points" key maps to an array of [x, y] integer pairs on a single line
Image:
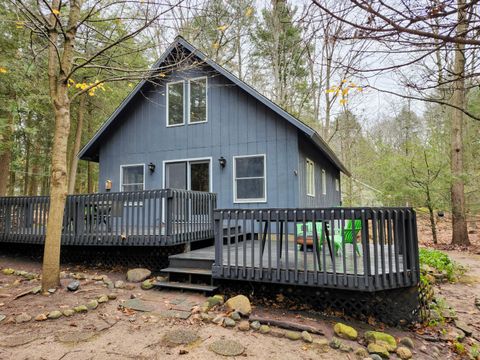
{"points": [[108, 185], [222, 161], [151, 167]]}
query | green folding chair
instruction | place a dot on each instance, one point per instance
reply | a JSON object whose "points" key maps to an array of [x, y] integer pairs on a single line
{"points": [[350, 231]]}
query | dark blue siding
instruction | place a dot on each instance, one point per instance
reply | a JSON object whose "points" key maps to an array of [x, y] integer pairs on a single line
{"points": [[237, 125], [332, 197]]}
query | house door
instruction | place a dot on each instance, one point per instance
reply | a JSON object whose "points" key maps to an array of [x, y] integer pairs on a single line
{"points": [[188, 175], [192, 175]]}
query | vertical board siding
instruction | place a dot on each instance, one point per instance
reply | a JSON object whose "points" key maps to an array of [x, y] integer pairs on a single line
{"points": [[333, 197], [237, 125]]}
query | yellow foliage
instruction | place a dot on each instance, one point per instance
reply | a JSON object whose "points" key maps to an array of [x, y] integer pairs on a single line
{"points": [[222, 28], [19, 24], [216, 45], [56, 11], [92, 87], [162, 74], [130, 85], [3, 70], [343, 101], [249, 11]]}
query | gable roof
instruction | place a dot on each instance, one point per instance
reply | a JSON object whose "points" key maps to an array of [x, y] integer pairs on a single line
{"points": [[90, 150]]}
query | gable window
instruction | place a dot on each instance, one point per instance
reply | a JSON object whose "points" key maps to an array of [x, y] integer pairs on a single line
{"points": [[198, 101], [132, 177], [249, 178], [175, 101], [324, 182], [310, 177]]}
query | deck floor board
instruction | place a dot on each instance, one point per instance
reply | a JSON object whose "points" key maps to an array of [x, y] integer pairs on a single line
{"points": [[305, 260]]}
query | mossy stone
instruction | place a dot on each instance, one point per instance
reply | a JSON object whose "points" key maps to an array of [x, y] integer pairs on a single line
{"points": [[345, 331], [376, 336]]}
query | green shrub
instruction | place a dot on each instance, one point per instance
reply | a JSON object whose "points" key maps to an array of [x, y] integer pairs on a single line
{"points": [[442, 263]]}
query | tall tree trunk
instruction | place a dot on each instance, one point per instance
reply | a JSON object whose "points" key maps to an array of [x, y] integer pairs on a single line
{"points": [[459, 223], [33, 183], [72, 176], [26, 169], [433, 225], [6, 156], [57, 70], [89, 163]]}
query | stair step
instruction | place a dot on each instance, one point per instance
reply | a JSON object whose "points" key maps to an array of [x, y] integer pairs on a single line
{"points": [[191, 263], [193, 271], [185, 286]]}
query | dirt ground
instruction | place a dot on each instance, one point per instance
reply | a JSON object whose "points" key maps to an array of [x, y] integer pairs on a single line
{"points": [[113, 332]]}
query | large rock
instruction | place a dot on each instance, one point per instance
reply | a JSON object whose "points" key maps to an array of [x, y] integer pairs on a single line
{"points": [[180, 337], [239, 303], [73, 285], [307, 337], [22, 318], [227, 348], [293, 335], [408, 342], [55, 314], [138, 275], [8, 271], [404, 353], [377, 337], [345, 331], [147, 284], [378, 349], [244, 325]]}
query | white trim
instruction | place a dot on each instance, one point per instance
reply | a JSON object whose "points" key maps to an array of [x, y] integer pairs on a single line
{"points": [[324, 182], [244, 201], [167, 102], [189, 100], [312, 163], [121, 174], [189, 160]]}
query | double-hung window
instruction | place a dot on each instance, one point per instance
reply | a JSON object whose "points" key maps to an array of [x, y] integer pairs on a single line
{"points": [[249, 177], [310, 177], [175, 103], [198, 101], [186, 102], [324, 182], [132, 177]]}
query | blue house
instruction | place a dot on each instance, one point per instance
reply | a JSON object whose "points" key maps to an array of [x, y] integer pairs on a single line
{"points": [[198, 127]]}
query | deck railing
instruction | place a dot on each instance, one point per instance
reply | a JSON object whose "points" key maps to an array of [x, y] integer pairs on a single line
{"points": [[366, 249], [151, 217]]}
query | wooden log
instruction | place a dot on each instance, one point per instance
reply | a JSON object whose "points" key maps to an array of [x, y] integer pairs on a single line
{"points": [[288, 325]]}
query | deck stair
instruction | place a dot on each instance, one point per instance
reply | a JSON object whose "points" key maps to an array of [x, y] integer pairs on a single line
{"points": [[192, 270]]}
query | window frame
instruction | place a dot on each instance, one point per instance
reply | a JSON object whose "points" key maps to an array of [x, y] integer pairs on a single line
{"points": [[121, 176], [324, 182], [312, 164], [167, 102], [189, 100], [337, 184], [246, 201]]}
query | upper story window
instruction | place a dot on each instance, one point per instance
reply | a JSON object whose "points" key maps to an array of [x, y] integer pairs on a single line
{"points": [[310, 177], [198, 101], [324, 182], [132, 177], [175, 103], [249, 180], [187, 99]]}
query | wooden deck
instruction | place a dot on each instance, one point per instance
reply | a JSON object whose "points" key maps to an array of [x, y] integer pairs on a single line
{"points": [[302, 260]]}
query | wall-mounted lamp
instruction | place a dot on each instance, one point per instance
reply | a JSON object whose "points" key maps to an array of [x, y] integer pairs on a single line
{"points": [[222, 161], [108, 185], [151, 167]]}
